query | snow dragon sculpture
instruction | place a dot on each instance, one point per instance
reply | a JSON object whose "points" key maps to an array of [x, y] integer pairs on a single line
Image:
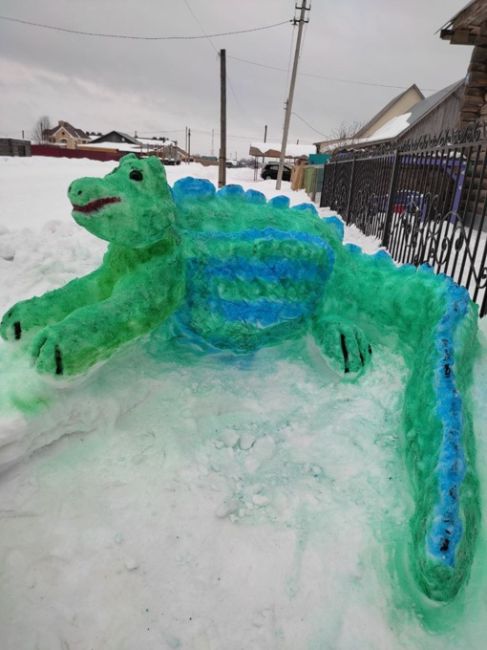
{"points": [[240, 273]]}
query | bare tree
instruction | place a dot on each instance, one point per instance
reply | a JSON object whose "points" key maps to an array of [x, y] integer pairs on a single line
{"points": [[345, 133], [40, 127]]}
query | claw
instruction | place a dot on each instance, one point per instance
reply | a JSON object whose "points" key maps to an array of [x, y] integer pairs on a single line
{"points": [[59, 360], [343, 343]]}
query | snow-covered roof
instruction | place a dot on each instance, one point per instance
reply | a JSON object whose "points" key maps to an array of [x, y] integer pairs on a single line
{"points": [[390, 129], [117, 146], [150, 142], [273, 149], [122, 136], [399, 125]]}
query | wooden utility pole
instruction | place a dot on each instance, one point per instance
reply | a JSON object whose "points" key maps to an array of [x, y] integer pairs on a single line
{"points": [[189, 144], [265, 133], [289, 103], [222, 170]]}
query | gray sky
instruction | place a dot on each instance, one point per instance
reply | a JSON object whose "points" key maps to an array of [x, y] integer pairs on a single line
{"points": [[158, 88]]}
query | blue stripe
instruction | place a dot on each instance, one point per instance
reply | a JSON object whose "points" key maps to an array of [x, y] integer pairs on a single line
{"points": [[274, 269], [261, 312], [447, 528], [267, 234]]}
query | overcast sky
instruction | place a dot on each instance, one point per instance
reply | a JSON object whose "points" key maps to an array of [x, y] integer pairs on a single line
{"points": [[159, 87]]}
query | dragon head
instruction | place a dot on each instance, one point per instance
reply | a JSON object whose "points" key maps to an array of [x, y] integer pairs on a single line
{"points": [[131, 206]]}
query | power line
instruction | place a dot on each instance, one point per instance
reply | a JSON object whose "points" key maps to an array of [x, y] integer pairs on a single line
{"points": [[165, 131], [318, 76], [232, 90], [200, 25], [229, 135], [308, 124], [140, 38]]}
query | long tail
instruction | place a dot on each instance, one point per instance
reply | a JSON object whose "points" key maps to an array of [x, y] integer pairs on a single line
{"points": [[440, 450], [433, 323]]}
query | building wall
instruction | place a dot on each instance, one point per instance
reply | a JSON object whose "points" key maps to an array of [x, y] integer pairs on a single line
{"points": [[404, 105], [444, 116], [65, 138], [12, 147]]}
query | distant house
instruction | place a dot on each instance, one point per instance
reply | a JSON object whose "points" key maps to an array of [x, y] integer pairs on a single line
{"points": [[124, 143], [429, 115], [273, 150], [116, 136], [66, 135], [397, 106], [469, 27], [401, 104]]}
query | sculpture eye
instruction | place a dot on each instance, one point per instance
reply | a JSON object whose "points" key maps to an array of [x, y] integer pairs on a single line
{"points": [[136, 175]]}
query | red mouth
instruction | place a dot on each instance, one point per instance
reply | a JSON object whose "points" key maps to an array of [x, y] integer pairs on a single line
{"points": [[92, 206]]}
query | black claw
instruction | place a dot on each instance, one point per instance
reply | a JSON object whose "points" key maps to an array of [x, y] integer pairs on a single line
{"points": [[59, 360], [362, 360], [17, 330], [343, 343]]}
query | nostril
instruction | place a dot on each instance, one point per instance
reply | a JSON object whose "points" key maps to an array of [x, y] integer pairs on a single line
{"points": [[79, 192]]}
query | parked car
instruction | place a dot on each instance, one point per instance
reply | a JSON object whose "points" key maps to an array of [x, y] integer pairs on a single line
{"points": [[407, 202], [270, 171]]}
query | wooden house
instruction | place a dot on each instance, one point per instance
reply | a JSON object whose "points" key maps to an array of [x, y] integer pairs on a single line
{"points": [[431, 114], [469, 27], [401, 104]]}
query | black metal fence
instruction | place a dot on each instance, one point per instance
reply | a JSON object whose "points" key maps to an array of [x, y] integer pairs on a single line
{"points": [[425, 200]]}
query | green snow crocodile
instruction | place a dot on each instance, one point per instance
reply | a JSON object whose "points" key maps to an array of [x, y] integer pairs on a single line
{"points": [[239, 273]]}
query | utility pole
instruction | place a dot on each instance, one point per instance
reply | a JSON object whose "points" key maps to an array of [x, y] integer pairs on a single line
{"points": [[265, 133], [289, 103], [186, 142], [223, 120], [189, 144]]}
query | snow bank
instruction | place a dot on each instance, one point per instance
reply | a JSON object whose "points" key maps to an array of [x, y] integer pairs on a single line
{"points": [[185, 500]]}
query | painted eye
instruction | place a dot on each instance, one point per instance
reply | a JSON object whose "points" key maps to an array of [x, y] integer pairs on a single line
{"points": [[136, 175]]}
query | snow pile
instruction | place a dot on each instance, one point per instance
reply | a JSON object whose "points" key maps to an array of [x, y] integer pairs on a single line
{"points": [[207, 502]]}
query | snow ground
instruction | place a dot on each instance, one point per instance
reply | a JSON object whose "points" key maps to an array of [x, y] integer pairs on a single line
{"points": [[201, 502]]}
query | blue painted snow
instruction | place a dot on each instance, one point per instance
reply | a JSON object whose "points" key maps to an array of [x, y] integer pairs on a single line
{"points": [[261, 312], [337, 224], [446, 529], [305, 207], [190, 188], [254, 196], [280, 201], [230, 191], [274, 269]]}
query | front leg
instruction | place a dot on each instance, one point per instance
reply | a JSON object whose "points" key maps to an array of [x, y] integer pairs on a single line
{"points": [[343, 344], [138, 304], [53, 306]]}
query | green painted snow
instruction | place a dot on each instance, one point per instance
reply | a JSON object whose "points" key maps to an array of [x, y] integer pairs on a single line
{"points": [[159, 254]]}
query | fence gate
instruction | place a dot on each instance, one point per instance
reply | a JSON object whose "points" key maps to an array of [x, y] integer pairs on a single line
{"points": [[425, 200]]}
